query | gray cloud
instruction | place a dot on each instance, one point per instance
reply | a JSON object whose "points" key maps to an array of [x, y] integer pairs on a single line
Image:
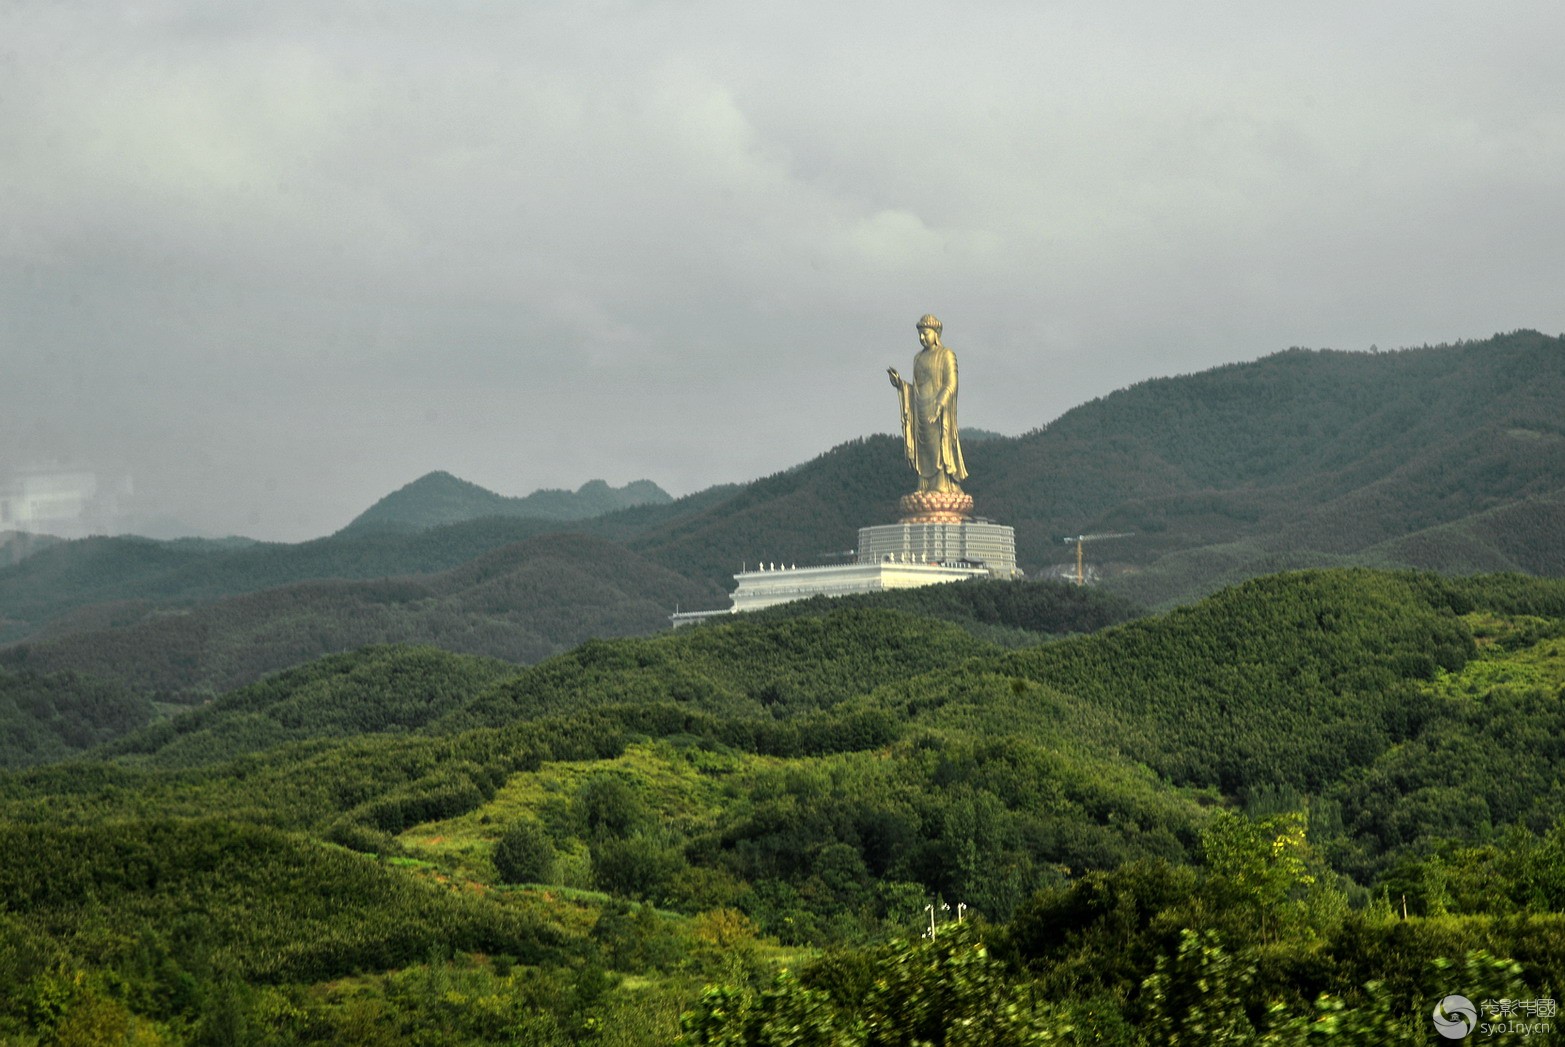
{"points": [[270, 261]]}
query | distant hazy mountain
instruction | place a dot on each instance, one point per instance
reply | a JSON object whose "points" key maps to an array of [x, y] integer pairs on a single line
{"points": [[94, 583], [166, 528], [440, 498]]}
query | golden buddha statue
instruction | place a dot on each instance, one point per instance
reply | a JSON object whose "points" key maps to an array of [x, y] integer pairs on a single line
{"points": [[930, 439]]}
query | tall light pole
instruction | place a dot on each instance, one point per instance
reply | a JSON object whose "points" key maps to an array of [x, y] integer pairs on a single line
{"points": [[961, 907]]}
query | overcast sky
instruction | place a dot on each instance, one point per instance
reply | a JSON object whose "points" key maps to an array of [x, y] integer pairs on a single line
{"points": [[261, 263]]}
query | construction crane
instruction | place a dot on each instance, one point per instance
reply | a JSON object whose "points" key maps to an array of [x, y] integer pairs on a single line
{"points": [[1081, 572]]}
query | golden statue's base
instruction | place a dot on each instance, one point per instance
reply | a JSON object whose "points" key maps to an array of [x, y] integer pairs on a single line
{"points": [[936, 507]]}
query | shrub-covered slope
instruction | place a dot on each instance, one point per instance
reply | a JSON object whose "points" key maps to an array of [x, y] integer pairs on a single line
{"points": [[252, 902]]}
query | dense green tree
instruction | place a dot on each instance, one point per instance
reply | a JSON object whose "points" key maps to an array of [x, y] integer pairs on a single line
{"points": [[524, 853]]}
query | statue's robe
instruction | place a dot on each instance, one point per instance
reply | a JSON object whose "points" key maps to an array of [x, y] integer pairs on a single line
{"points": [[932, 447]]}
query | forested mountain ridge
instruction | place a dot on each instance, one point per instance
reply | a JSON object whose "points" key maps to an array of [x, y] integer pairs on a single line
{"points": [[1327, 454], [1324, 747], [1300, 458], [522, 602], [98, 582], [101, 582], [16, 546], [440, 498], [1450, 457]]}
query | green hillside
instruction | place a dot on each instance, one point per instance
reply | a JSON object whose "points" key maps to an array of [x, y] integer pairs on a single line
{"points": [[1010, 613], [367, 689], [52, 716], [1215, 814], [372, 690], [439, 498], [326, 910], [1522, 536]]}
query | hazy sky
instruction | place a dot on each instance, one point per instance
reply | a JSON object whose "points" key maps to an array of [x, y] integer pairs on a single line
{"points": [[261, 263]]}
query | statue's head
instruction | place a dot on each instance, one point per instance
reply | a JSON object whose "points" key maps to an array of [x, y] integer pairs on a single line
{"points": [[928, 330]]}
